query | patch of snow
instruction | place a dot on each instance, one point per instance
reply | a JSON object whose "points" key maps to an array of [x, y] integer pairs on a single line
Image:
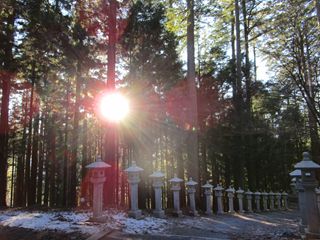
{"points": [[60, 221], [78, 222], [143, 226]]}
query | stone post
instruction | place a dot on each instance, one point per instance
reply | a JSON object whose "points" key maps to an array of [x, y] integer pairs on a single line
{"points": [[157, 178], [296, 179], [133, 179], [257, 197], [97, 178], [219, 194], [191, 189], [271, 198], [309, 183], [318, 197], [176, 194], [240, 193], [248, 195], [302, 205], [208, 192], [285, 200], [230, 193], [265, 201], [278, 199]]}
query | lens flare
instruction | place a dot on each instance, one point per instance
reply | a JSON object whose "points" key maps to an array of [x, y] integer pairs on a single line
{"points": [[114, 107]]}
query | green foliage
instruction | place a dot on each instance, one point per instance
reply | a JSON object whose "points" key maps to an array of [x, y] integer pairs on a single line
{"points": [[150, 49]]}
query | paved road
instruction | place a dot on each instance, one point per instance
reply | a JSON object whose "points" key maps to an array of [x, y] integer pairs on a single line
{"points": [[15, 233], [278, 225], [122, 236]]}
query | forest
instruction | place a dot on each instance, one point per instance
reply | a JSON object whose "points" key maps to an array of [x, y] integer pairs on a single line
{"points": [[191, 70]]}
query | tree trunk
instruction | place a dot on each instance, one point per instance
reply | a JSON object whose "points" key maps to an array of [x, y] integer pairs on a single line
{"points": [[110, 146], [46, 168], [5, 77], [74, 149], [84, 183], [238, 165], [317, 3], [12, 173], [192, 139], [247, 74], [66, 149], [233, 55], [4, 136], [255, 63], [34, 164], [19, 200], [238, 51], [112, 26], [41, 158], [180, 168], [28, 154], [52, 160]]}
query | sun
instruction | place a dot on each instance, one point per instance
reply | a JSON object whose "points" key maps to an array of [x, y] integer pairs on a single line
{"points": [[114, 107]]}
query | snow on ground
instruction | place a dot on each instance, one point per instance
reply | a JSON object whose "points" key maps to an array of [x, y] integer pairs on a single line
{"points": [[78, 222], [60, 221], [142, 226]]}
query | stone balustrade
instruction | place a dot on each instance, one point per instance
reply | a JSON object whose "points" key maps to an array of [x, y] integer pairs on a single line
{"points": [[221, 195]]}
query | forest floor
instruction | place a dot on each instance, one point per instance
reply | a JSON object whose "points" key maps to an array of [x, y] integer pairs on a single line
{"points": [[54, 225]]}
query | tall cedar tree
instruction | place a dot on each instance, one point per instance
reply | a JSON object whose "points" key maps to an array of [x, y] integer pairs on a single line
{"points": [[7, 72]]}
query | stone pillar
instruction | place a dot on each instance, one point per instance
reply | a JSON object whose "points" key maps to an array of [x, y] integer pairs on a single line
{"points": [[309, 183], [257, 197], [176, 194], [265, 201], [219, 194], [318, 197], [302, 205], [240, 193], [133, 179], [230, 193], [157, 185], [208, 192], [97, 196], [249, 201], [285, 200], [278, 199], [97, 178], [271, 198], [134, 199], [191, 189], [296, 182]]}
